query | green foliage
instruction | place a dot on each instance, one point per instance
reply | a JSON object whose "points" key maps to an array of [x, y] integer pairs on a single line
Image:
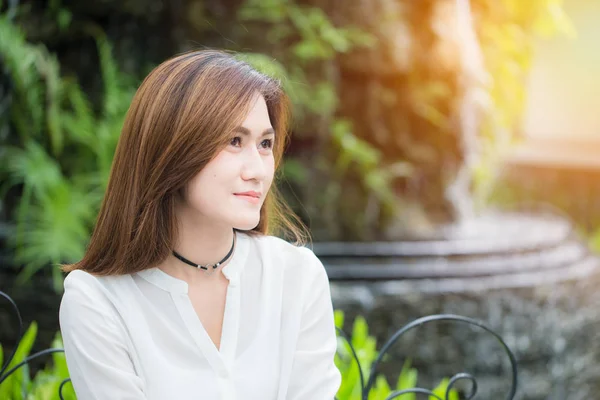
{"points": [[304, 39], [507, 31], [306, 44], [594, 241], [34, 74], [365, 347], [63, 156], [15, 386], [316, 38], [378, 178], [45, 383]]}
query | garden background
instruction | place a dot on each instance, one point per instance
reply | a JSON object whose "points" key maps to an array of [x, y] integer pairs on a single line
{"points": [[430, 124]]}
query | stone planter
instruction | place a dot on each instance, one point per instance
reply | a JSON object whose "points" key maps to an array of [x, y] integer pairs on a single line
{"points": [[527, 277]]}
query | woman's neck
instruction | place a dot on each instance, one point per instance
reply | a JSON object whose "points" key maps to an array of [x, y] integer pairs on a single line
{"points": [[201, 243]]}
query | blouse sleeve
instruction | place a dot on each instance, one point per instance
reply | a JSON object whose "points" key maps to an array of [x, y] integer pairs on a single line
{"points": [[95, 348], [314, 375]]}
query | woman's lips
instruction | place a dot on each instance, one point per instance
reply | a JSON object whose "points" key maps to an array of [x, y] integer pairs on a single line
{"points": [[248, 198]]}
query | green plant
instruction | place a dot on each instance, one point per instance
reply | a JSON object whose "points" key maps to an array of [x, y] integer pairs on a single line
{"points": [[62, 158], [408, 108], [507, 31], [306, 44], [34, 76], [45, 384], [365, 347]]}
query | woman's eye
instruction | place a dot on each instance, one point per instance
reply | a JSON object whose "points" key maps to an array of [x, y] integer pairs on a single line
{"points": [[267, 143], [236, 141]]}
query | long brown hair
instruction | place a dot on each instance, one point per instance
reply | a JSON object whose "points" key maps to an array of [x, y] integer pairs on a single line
{"points": [[182, 115]]}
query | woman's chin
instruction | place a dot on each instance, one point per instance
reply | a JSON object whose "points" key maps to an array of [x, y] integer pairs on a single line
{"points": [[246, 224]]}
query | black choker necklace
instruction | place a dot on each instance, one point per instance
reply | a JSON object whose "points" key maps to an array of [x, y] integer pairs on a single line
{"points": [[208, 268]]}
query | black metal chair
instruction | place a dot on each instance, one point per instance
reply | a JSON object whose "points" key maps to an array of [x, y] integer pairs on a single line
{"points": [[366, 386]]}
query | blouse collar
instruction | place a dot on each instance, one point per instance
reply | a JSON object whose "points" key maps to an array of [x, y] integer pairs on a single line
{"points": [[231, 271]]}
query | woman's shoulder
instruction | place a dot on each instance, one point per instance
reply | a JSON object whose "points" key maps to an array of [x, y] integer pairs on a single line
{"points": [[86, 288], [271, 241], [80, 280], [294, 257], [280, 246]]}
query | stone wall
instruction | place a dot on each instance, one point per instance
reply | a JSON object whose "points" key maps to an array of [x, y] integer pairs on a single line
{"points": [[552, 328]]}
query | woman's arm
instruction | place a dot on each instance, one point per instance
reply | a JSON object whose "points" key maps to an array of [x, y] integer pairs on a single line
{"points": [[97, 357], [314, 375]]}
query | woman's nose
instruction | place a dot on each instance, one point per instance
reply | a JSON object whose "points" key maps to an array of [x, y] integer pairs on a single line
{"points": [[254, 165]]}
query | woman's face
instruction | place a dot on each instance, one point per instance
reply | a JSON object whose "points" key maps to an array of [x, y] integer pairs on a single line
{"points": [[232, 187]]}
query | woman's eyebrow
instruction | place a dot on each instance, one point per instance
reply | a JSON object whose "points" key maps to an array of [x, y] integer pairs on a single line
{"points": [[246, 131]]}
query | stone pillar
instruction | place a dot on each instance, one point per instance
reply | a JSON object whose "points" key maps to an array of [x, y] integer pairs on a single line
{"points": [[417, 96]]}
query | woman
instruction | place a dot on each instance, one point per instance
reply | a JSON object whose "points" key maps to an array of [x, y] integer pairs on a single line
{"points": [[182, 294]]}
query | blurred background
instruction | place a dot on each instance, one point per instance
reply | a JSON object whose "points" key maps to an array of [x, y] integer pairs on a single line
{"points": [[444, 155]]}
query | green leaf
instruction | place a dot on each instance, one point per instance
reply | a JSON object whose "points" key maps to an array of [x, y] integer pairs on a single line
{"points": [[312, 49], [50, 69], [335, 38], [271, 11], [21, 62], [294, 171], [34, 167], [79, 122], [381, 390], [16, 385], [365, 347], [64, 18], [441, 389], [338, 316], [407, 380], [324, 98], [60, 229], [46, 383], [360, 333]]}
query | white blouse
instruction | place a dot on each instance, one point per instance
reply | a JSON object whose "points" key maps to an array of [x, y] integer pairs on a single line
{"points": [[137, 336]]}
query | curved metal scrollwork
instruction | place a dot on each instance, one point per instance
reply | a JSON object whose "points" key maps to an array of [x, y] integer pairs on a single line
{"points": [[366, 388], [4, 374]]}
